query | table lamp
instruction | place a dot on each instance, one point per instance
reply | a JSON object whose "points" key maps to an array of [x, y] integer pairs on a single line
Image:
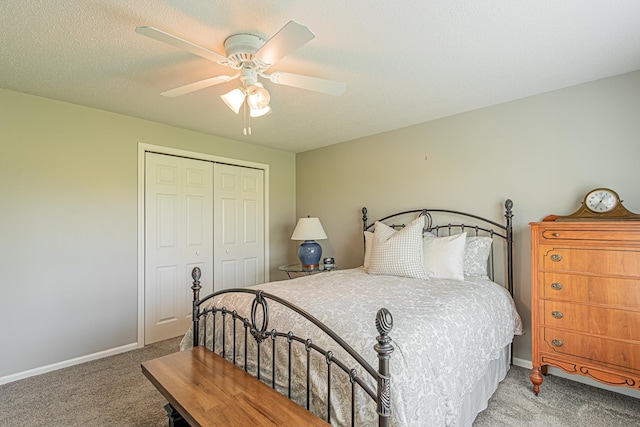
{"points": [[310, 251]]}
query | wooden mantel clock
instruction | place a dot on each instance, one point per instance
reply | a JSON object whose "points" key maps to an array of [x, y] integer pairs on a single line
{"points": [[601, 204]]}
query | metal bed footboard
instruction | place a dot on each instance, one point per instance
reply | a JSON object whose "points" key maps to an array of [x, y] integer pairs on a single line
{"points": [[256, 325]]}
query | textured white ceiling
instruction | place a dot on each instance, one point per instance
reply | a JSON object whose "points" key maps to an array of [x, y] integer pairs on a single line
{"points": [[404, 62]]}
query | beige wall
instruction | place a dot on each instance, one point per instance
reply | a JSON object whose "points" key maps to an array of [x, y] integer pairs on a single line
{"points": [[68, 224], [544, 152]]}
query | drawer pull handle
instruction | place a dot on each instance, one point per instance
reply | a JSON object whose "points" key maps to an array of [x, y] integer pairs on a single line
{"points": [[556, 234], [557, 314], [556, 257], [556, 286], [557, 343]]}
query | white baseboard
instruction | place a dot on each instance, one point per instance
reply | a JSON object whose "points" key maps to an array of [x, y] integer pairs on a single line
{"points": [[66, 363], [523, 363]]}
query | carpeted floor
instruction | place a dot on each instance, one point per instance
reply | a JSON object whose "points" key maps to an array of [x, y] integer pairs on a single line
{"points": [[114, 392], [560, 403], [105, 392]]}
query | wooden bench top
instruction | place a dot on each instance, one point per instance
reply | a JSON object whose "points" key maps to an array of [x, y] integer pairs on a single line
{"points": [[210, 391]]}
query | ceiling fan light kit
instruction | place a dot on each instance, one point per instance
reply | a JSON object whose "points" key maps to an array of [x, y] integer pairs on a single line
{"points": [[251, 94], [253, 91], [251, 56]]}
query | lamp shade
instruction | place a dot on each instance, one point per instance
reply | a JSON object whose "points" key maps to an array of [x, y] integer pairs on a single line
{"points": [[309, 252], [257, 96], [261, 112], [308, 229], [234, 99]]}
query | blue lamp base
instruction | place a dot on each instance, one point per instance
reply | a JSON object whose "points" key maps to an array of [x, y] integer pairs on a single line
{"points": [[310, 253]]}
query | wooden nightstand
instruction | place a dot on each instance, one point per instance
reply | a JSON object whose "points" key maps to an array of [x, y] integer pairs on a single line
{"points": [[297, 269]]}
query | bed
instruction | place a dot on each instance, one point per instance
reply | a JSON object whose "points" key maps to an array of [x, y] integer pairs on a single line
{"points": [[420, 334]]}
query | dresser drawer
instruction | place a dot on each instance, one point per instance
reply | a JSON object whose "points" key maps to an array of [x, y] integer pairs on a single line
{"points": [[611, 352], [592, 260], [613, 323], [615, 292], [602, 235]]}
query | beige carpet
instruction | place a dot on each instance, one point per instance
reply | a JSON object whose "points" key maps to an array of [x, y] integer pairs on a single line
{"points": [[560, 403], [106, 392], [114, 392]]}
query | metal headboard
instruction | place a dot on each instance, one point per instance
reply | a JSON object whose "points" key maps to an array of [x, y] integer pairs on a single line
{"points": [[479, 225]]}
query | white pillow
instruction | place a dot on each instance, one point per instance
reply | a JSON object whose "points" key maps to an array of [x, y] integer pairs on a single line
{"points": [[476, 256], [398, 253], [368, 241], [444, 256]]}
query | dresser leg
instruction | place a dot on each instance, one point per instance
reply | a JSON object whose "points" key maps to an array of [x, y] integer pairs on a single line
{"points": [[536, 378]]}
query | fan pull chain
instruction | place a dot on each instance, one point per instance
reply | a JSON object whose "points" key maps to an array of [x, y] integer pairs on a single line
{"points": [[247, 130]]}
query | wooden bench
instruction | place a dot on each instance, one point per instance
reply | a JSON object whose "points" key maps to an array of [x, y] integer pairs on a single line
{"points": [[207, 390]]}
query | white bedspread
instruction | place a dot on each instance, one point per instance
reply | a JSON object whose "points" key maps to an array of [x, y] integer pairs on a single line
{"points": [[445, 333]]}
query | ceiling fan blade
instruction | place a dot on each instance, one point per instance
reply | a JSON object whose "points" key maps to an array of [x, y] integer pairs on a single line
{"points": [[167, 38], [192, 87], [289, 38], [315, 84]]}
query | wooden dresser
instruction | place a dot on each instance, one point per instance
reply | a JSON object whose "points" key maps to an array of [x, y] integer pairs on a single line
{"points": [[586, 300]]}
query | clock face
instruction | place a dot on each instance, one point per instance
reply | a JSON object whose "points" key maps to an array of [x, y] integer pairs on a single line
{"points": [[601, 201]]}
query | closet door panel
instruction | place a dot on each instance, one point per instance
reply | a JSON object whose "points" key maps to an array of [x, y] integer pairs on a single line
{"points": [[238, 226]]}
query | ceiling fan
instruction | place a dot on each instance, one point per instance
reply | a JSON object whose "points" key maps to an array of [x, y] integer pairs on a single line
{"points": [[250, 56]]}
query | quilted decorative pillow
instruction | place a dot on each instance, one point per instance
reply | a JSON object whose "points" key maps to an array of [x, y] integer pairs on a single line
{"points": [[476, 256], [398, 253], [444, 256]]}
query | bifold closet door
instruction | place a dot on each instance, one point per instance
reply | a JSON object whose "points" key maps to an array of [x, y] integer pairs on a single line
{"points": [[239, 254], [178, 237]]}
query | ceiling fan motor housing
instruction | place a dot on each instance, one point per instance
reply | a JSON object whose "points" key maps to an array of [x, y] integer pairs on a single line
{"points": [[240, 50]]}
